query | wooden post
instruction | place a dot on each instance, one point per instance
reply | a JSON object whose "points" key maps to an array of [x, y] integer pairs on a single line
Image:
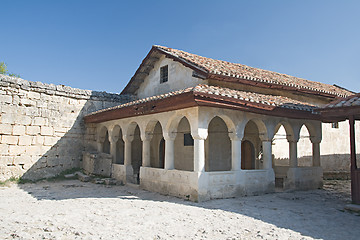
{"points": [[355, 173], [352, 142]]}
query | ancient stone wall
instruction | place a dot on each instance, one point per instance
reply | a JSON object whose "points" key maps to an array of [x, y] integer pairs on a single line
{"points": [[41, 126]]}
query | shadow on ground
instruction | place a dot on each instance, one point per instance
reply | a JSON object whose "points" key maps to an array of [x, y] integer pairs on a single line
{"points": [[317, 214]]}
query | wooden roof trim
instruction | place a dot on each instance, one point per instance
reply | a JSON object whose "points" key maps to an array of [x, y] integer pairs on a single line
{"points": [[176, 102], [191, 99]]}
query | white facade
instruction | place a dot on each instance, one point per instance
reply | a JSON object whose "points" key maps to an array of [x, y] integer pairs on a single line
{"points": [[200, 153]]}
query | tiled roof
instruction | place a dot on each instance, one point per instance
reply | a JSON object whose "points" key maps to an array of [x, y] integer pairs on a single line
{"points": [[350, 101], [226, 93], [240, 71]]}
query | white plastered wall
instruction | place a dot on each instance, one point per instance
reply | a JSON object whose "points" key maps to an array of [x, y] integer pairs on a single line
{"points": [[179, 77], [203, 185]]}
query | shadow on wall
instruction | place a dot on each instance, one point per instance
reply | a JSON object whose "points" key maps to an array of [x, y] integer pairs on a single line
{"points": [[65, 146], [64, 149]]}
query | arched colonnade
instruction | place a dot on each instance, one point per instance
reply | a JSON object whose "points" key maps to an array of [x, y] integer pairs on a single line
{"points": [[202, 140]]}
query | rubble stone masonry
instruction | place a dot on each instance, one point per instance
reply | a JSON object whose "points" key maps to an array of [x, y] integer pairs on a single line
{"points": [[42, 132]]}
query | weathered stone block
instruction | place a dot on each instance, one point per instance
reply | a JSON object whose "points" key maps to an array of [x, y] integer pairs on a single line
{"points": [[23, 120], [32, 111], [18, 130], [32, 130], [16, 150], [46, 131], [8, 118], [5, 129], [16, 99], [53, 161], [39, 121], [25, 140], [41, 104], [5, 99], [8, 139], [37, 140], [33, 95], [23, 159], [33, 150], [27, 102], [49, 141], [7, 109], [4, 148]]}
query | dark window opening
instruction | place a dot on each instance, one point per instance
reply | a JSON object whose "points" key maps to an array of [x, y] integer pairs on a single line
{"points": [[335, 125], [188, 140], [164, 74]]}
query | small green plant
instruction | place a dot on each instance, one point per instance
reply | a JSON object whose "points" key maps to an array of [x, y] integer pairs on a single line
{"points": [[61, 176], [4, 70], [9, 181]]}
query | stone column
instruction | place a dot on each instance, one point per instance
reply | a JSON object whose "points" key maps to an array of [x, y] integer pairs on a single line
{"points": [[316, 154], [146, 150], [127, 149], [267, 154], [113, 149], [199, 154], [169, 150], [293, 154], [236, 140], [99, 145]]}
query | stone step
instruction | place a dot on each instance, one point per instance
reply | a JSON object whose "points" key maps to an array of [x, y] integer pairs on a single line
{"points": [[83, 177]]}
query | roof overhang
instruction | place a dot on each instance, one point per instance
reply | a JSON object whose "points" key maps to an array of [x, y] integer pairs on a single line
{"points": [[341, 109], [191, 99], [156, 52], [339, 114]]}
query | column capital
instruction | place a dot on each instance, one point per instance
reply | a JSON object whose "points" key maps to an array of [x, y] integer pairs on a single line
{"points": [[147, 136], [169, 136], [315, 139], [128, 138], [234, 136], [292, 139], [199, 134]]}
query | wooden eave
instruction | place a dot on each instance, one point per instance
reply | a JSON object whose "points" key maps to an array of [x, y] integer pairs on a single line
{"points": [[338, 114], [191, 99]]}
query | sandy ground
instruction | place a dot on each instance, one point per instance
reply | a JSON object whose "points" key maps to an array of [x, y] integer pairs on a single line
{"points": [[76, 210]]}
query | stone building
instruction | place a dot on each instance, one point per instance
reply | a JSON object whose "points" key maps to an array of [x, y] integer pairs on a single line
{"points": [[202, 128]]}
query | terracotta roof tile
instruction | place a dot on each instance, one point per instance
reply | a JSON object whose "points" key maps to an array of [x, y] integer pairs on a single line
{"points": [[207, 91], [241, 71]]}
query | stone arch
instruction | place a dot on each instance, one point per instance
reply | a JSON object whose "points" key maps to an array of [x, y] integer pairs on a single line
{"points": [[183, 145], [251, 148], [225, 118], [157, 146], [261, 126], [117, 136], [174, 121], [130, 128], [103, 138], [218, 146], [304, 148], [133, 133], [280, 149]]}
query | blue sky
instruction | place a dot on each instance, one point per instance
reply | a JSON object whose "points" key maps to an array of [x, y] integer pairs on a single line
{"points": [[98, 45]]}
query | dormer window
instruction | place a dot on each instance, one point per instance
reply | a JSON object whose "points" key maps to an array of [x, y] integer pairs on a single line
{"points": [[164, 74]]}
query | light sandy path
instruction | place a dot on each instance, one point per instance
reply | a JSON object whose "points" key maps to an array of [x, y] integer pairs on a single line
{"points": [[76, 210]]}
